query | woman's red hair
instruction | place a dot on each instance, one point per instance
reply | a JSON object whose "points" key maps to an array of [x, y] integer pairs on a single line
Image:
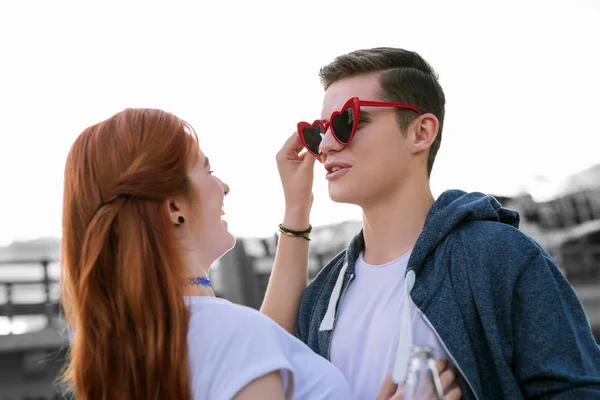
{"points": [[123, 272]]}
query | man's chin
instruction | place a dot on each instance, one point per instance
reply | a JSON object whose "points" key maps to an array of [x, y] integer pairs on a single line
{"points": [[341, 196]]}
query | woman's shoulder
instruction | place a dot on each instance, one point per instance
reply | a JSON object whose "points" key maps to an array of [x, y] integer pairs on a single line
{"points": [[219, 319]]}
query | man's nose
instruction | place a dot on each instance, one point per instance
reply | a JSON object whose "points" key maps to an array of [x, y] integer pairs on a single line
{"points": [[329, 143]]}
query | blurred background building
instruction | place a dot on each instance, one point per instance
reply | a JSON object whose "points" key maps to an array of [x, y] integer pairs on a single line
{"points": [[32, 332]]}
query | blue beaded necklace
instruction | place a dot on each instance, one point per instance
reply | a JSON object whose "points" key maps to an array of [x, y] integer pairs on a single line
{"points": [[198, 280]]}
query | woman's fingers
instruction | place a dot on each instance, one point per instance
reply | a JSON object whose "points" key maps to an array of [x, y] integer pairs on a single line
{"points": [[387, 389], [448, 377]]}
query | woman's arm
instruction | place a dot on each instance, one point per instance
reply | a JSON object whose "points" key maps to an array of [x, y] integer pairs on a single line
{"points": [[267, 387], [289, 275]]}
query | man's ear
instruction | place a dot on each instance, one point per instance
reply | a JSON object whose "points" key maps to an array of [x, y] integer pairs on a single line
{"points": [[425, 130]]}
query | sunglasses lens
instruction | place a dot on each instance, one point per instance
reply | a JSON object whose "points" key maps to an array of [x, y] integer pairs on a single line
{"points": [[313, 135], [343, 124]]}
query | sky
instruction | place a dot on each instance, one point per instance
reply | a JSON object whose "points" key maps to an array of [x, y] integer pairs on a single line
{"points": [[520, 77]]}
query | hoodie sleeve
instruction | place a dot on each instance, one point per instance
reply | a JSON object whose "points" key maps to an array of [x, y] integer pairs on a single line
{"points": [[556, 356]]}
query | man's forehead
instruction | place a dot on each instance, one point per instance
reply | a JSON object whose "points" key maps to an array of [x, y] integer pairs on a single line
{"points": [[365, 87]]}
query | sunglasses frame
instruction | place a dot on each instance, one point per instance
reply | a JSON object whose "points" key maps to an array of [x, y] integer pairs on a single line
{"points": [[354, 103]]}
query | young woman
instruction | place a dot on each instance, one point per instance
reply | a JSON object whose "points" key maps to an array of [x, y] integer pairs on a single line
{"points": [[142, 223]]}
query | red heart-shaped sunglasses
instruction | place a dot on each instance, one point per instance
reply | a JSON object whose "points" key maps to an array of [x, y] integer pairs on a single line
{"points": [[343, 123]]}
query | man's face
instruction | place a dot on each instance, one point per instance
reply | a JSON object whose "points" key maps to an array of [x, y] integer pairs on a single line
{"points": [[377, 160]]}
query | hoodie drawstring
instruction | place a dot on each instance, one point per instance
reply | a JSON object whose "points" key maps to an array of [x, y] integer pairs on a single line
{"points": [[329, 318]]}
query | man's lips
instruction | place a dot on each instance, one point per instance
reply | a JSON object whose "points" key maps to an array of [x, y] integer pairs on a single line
{"points": [[336, 169], [331, 166]]}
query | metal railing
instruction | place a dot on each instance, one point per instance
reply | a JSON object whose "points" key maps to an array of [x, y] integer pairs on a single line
{"points": [[48, 307]]}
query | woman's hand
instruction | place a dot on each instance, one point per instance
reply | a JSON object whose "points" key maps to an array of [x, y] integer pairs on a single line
{"points": [[448, 377], [296, 173]]}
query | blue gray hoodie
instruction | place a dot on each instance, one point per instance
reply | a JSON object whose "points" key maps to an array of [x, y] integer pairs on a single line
{"points": [[497, 301]]}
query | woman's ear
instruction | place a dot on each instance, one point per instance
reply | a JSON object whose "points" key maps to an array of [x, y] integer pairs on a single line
{"points": [[174, 210]]}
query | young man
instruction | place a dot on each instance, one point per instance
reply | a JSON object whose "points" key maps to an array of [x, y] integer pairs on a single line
{"points": [[453, 273]]}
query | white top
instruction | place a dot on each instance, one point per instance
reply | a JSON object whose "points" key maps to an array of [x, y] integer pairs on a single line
{"points": [[369, 324], [230, 345]]}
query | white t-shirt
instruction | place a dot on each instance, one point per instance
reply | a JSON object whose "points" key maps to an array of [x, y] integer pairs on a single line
{"points": [[230, 345], [367, 328]]}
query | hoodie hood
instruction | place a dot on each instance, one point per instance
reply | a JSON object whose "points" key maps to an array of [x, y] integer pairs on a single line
{"points": [[451, 209]]}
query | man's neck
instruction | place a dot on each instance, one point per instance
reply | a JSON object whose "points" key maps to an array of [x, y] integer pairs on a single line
{"points": [[392, 225]]}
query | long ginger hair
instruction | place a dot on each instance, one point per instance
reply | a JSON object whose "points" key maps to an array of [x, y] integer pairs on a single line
{"points": [[122, 270]]}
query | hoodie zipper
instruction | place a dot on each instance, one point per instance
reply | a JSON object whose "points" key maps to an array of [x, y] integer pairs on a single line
{"points": [[339, 304], [426, 320]]}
